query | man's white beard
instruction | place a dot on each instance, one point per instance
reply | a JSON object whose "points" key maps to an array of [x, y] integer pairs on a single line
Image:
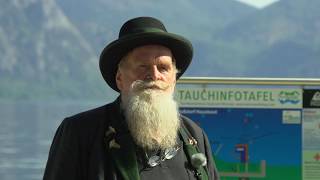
{"points": [[152, 115]]}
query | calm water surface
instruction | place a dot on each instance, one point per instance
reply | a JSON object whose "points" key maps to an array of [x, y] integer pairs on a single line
{"points": [[26, 132]]}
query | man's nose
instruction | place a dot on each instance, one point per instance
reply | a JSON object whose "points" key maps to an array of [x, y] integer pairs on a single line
{"points": [[154, 74]]}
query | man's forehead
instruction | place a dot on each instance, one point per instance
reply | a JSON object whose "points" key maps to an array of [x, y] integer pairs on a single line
{"points": [[150, 50]]}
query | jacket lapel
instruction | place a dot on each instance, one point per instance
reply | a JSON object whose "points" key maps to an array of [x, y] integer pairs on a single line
{"points": [[124, 156], [121, 146]]}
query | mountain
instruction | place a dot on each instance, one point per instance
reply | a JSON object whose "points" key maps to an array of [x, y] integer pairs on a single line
{"points": [[295, 46], [198, 21], [100, 21], [43, 54], [281, 40], [50, 49]]}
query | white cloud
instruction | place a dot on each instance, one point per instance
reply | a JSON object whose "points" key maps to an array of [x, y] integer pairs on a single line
{"points": [[258, 3]]}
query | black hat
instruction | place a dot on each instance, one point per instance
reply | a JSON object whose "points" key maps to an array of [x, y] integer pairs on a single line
{"points": [[138, 32]]}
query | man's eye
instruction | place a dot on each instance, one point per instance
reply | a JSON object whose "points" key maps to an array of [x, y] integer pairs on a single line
{"points": [[163, 69]]}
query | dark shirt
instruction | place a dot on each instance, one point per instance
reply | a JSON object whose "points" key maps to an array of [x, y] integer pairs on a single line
{"points": [[176, 168], [79, 150]]}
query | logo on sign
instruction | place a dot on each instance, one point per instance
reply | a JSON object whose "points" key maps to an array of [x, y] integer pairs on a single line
{"points": [[315, 101], [287, 97]]}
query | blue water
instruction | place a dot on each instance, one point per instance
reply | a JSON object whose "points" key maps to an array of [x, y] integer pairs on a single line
{"points": [[26, 132]]}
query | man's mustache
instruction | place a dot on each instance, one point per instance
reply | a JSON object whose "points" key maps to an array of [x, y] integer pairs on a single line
{"points": [[140, 85]]}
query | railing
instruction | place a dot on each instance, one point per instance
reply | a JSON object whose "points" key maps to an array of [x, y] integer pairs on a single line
{"points": [[251, 81]]}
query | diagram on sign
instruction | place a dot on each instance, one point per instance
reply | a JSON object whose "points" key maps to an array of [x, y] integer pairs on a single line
{"points": [[251, 143]]}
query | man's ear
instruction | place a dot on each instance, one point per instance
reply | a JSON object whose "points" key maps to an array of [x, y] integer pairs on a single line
{"points": [[119, 80]]}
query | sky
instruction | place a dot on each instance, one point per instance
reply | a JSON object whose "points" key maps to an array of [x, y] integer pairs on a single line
{"points": [[258, 3]]}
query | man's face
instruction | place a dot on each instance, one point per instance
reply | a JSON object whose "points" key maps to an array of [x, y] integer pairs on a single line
{"points": [[146, 78], [146, 63]]}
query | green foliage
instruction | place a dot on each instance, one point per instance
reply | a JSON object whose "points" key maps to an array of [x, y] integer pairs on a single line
{"points": [[272, 172]]}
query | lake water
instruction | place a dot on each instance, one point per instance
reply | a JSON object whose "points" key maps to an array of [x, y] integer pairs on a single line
{"points": [[26, 132]]}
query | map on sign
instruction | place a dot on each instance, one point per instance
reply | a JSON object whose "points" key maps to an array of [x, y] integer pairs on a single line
{"points": [[259, 140]]}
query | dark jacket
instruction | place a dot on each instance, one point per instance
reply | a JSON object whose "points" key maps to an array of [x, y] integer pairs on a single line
{"points": [[79, 150]]}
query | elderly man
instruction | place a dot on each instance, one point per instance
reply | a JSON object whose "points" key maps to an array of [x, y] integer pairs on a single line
{"points": [[141, 135]]}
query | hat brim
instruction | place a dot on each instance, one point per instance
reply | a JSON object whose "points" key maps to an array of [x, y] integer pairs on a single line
{"points": [[111, 55]]}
